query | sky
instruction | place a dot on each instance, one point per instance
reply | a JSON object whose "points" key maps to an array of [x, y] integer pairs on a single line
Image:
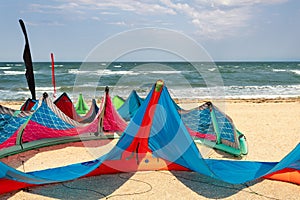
{"points": [[229, 30]]}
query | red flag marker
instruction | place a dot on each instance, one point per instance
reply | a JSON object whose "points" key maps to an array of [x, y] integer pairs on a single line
{"points": [[53, 76]]}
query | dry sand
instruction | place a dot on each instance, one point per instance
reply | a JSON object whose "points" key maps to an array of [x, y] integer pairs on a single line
{"points": [[272, 130]]}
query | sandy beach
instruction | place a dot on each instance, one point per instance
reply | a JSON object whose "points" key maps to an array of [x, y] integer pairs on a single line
{"points": [[272, 130]]}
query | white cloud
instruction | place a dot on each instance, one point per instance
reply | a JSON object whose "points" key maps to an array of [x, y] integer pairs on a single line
{"points": [[211, 22], [120, 23], [218, 18], [226, 23], [44, 22], [109, 13], [61, 8], [237, 3], [96, 18], [209, 18], [139, 7]]}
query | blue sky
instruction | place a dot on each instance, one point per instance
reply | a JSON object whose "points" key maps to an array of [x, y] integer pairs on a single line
{"points": [[229, 30]]}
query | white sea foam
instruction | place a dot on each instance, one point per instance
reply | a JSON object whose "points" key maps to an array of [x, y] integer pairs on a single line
{"points": [[45, 89], [24, 94], [13, 72], [265, 91], [19, 72], [279, 70], [20, 95], [249, 92], [235, 90], [5, 67], [77, 71], [103, 72], [109, 72], [212, 69], [123, 72], [160, 72], [56, 66], [296, 71]]}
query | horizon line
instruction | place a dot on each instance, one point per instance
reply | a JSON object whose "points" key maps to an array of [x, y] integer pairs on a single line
{"points": [[143, 61]]}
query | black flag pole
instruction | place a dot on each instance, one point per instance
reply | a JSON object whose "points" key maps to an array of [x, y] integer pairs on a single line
{"points": [[28, 62]]}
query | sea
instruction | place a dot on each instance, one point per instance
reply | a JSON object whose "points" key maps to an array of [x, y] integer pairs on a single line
{"points": [[198, 80]]}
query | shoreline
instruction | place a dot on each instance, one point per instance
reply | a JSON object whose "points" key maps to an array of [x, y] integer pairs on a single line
{"points": [[196, 100], [239, 100]]}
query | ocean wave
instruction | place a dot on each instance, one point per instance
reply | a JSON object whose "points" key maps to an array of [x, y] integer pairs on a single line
{"points": [[103, 72], [42, 89], [20, 95], [279, 70], [7, 95], [57, 66], [108, 72], [13, 72], [296, 71], [266, 87], [45, 89], [160, 72], [9, 64], [264, 91], [212, 69], [5, 67], [234, 91], [258, 80], [76, 71]]}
